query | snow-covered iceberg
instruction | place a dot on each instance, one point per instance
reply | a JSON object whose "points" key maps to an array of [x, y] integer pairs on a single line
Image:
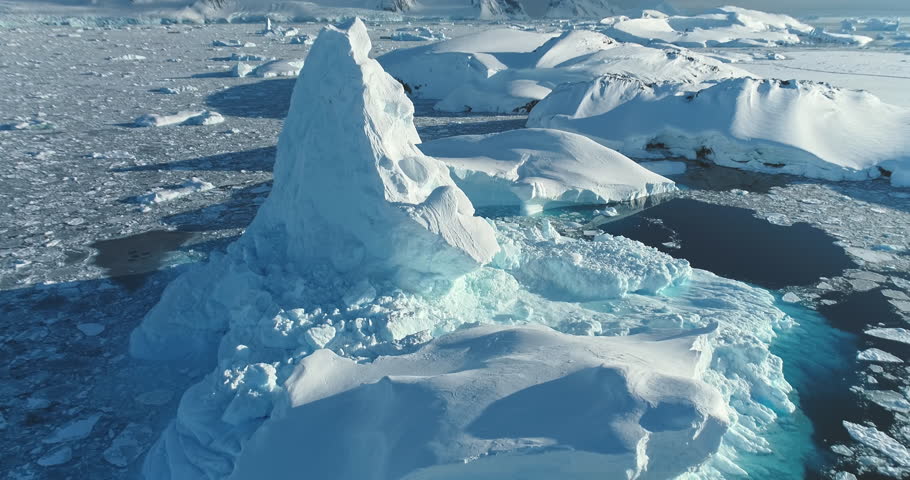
{"points": [[723, 27], [541, 168], [492, 403], [318, 325], [773, 126], [509, 71]]}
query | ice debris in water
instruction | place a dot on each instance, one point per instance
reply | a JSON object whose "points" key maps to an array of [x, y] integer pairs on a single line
{"points": [[893, 450], [75, 430], [187, 117], [877, 355], [278, 68], [232, 44], [348, 285], [901, 335], [56, 457], [188, 187]]}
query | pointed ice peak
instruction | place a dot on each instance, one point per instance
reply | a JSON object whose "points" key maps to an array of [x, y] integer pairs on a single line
{"points": [[352, 189]]}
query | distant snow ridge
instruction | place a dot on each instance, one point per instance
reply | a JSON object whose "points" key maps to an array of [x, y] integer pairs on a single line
{"points": [[772, 126], [723, 27], [509, 71], [329, 325], [539, 169]]}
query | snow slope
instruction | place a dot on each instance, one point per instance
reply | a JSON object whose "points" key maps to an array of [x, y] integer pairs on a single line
{"points": [[539, 169], [773, 126], [518, 69], [723, 27], [357, 257]]}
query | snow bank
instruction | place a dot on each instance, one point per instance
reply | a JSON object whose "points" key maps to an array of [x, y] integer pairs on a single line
{"points": [[445, 410], [186, 117], [722, 27], [772, 126], [539, 169], [510, 76], [323, 315]]}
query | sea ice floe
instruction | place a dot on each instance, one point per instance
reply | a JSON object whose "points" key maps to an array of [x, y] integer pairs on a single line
{"points": [[901, 335], [233, 44], [894, 452], [75, 430], [186, 117], [877, 355], [55, 457], [188, 187], [278, 68]]}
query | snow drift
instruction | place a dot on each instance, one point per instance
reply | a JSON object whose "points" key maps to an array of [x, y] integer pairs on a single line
{"points": [[773, 126], [318, 325], [539, 169], [509, 71]]}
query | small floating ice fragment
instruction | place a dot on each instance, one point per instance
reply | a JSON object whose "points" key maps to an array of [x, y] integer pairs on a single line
{"points": [[896, 334], [877, 355], [188, 187]]}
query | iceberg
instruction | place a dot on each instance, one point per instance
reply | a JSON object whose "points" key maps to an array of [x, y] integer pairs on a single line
{"points": [[772, 126], [518, 69], [368, 324], [723, 27], [539, 169], [485, 401]]}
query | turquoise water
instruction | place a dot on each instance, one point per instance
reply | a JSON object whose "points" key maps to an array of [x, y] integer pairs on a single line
{"points": [[818, 363]]}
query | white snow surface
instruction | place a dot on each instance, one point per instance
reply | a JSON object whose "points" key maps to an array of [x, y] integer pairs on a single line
{"points": [[727, 26], [540, 168], [509, 71], [484, 401], [374, 252], [772, 126]]}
